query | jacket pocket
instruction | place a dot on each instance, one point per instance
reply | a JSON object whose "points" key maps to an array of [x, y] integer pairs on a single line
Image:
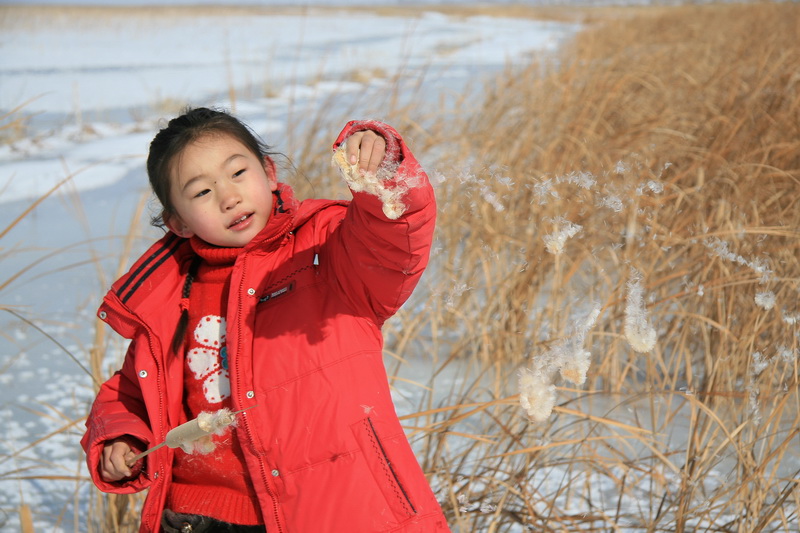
{"points": [[383, 471]]}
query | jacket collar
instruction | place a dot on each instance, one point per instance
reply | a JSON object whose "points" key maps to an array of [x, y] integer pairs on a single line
{"points": [[282, 220], [151, 290]]}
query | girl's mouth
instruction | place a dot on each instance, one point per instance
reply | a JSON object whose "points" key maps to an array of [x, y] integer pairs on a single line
{"points": [[241, 222]]}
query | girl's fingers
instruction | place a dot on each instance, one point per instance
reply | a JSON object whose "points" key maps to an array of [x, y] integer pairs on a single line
{"points": [[120, 464], [353, 143], [110, 473], [366, 148], [373, 148], [106, 466], [114, 465]]}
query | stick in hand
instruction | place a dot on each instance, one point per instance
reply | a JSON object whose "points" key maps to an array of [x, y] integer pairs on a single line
{"points": [[184, 435]]}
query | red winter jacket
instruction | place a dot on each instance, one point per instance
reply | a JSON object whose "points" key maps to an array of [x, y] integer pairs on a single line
{"points": [[324, 446]]}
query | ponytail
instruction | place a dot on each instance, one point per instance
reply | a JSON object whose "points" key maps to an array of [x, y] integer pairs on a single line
{"points": [[183, 321]]}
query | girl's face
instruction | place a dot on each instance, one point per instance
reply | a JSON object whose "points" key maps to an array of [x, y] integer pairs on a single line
{"points": [[220, 191]]}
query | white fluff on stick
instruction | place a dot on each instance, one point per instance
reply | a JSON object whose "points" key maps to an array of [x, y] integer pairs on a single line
{"points": [[194, 436]]}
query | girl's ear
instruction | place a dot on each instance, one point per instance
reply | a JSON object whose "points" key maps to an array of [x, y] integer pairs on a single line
{"points": [[272, 173], [176, 226]]}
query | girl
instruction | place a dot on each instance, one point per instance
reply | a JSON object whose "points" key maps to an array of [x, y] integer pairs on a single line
{"points": [[254, 300]]}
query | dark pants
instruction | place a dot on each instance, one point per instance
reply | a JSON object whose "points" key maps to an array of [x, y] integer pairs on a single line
{"points": [[195, 523]]}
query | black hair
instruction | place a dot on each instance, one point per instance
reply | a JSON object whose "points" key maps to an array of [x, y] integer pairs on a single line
{"points": [[183, 321]]}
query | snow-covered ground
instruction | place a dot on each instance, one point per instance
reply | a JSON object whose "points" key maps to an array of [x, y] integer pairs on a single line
{"points": [[93, 92], [89, 81]]}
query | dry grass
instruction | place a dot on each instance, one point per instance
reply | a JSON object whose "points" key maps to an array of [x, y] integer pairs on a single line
{"points": [[671, 136], [672, 139]]}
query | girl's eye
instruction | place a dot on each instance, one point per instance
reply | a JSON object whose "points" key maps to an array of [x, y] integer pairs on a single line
{"points": [[202, 193], [237, 174]]}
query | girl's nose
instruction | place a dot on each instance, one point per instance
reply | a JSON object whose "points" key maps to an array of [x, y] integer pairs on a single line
{"points": [[229, 197]]}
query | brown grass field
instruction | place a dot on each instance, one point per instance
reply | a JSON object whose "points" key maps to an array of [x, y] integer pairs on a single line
{"points": [[658, 151]]}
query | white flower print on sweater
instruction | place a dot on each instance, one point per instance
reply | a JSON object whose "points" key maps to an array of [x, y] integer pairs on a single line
{"points": [[210, 362]]}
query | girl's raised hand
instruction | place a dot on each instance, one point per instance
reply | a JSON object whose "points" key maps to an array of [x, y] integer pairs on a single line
{"points": [[366, 148]]}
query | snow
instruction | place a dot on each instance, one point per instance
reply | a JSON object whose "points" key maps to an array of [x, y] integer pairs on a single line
{"points": [[92, 95], [75, 72]]}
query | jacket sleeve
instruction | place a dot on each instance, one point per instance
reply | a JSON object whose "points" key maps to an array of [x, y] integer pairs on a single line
{"points": [[118, 411], [384, 240]]}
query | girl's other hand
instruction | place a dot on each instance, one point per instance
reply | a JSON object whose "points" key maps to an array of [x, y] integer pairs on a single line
{"points": [[117, 455], [366, 148]]}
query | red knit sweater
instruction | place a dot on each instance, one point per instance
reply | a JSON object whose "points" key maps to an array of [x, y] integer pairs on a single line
{"points": [[215, 483]]}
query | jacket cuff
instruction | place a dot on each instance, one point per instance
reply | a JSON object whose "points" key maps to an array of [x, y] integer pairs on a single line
{"points": [[95, 441]]}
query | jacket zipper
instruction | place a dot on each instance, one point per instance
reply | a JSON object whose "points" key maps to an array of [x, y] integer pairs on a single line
{"points": [[389, 465], [264, 476], [162, 421]]}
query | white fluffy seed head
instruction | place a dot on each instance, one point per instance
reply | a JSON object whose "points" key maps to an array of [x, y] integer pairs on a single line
{"points": [[759, 364], [537, 391], [374, 184], [536, 395], [185, 434], [348, 171], [554, 242], [576, 367], [641, 337], [640, 334], [765, 300]]}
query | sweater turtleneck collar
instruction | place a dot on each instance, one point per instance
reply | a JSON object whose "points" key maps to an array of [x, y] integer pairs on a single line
{"points": [[280, 222], [214, 255], [217, 262]]}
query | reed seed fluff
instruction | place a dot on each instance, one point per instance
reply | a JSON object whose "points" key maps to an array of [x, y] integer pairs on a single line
{"points": [[759, 364], [554, 242], [612, 202], [720, 248], [537, 396], [765, 300], [639, 333], [380, 184], [790, 319], [537, 392]]}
